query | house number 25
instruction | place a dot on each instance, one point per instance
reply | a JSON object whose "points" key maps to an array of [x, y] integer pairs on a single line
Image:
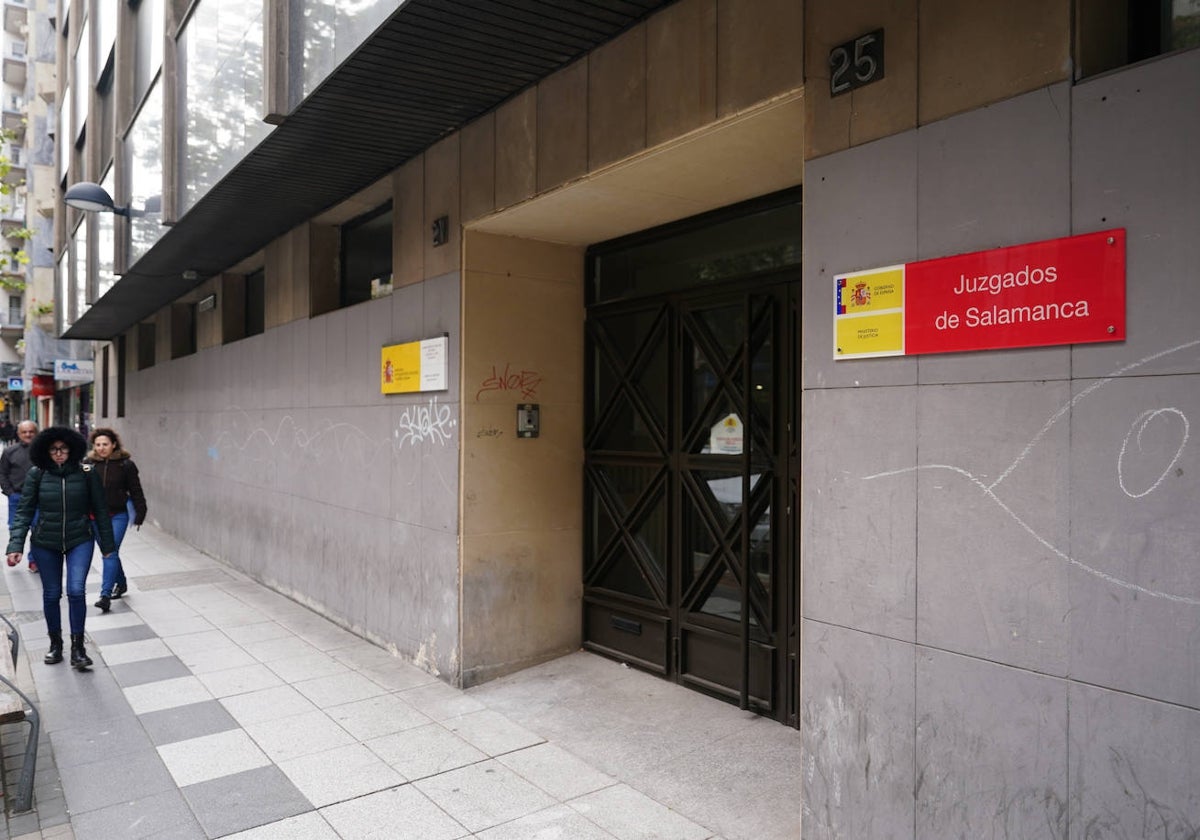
{"points": [[856, 63]]}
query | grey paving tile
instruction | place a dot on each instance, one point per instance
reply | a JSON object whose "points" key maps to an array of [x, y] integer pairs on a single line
{"points": [[402, 813], [298, 735], [376, 717], [149, 670], [240, 680], [484, 795], [441, 701], [260, 632], [310, 826], [245, 800], [397, 676], [134, 651], [340, 774], [166, 694], [113, 780], [279, 647], [339, 689], [120, 635], [556, 771], [267, 704], [309, 666], [183, 723], [212, 756], [117, 618], [168, 626], [491, 732], [424, 751], [90, 741], [557, 822], [632, 815], [162, 815], [23, 824]]}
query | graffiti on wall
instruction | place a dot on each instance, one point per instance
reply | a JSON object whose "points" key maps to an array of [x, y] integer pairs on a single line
{"points": [[525, 382], [429, 423], [1130, 449]]}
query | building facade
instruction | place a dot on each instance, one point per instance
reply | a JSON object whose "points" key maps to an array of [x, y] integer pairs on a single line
{"points": [[610, 235]]}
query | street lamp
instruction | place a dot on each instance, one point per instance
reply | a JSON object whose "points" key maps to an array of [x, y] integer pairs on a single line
{"points": [[92, 198]]}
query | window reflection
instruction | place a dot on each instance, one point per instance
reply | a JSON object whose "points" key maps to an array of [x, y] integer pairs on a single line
{"points": [[221, 92], [106, 243], [144, 148], [148, 45], [328, 31], [83, 57], [79, 280], [63, 296], [106, 32], [64, 131]]}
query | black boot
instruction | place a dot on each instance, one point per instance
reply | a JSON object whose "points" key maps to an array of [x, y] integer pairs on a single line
{"points": [[105, 603], [54, 655], [79, 658]]}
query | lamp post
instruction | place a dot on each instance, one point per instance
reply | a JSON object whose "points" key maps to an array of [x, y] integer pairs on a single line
{"points": [[92, 198]]}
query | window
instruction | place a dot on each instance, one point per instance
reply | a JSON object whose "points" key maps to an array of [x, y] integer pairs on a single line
{"points": [[220, 84], [80, 300], [121, 357], [366, 256], [183, 329], [104, 380], [105, 117], [256, 300], [146, 338], [106, 243], [143, 149], [83, 89], [16, 314], [148, 45], [1113, 33]]}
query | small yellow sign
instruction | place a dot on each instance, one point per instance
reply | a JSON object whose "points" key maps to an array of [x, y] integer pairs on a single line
{"points": [[414, 366]]}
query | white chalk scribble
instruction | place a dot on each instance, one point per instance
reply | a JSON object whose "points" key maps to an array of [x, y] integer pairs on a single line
{"points": [[1138, 427]]}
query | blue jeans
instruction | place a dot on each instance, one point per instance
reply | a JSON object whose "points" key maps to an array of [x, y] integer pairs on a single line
{"points": [[50, 564], [113, 572]]}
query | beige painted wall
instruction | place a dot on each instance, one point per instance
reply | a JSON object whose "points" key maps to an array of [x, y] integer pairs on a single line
{"points": [[521, 500], [970, 54]]}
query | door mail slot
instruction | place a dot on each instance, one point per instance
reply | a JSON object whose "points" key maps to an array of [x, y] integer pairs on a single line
{"points": [[626, 624]]}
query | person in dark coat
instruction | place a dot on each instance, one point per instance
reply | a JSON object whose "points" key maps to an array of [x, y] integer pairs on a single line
{"points": [[67, 496], [14, 465], [119, 477]]}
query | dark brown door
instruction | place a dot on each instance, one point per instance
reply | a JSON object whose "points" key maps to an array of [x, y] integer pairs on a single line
{"points": [[690, 553]]}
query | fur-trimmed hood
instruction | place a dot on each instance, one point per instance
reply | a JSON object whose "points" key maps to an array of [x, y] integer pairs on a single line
{"points": [[39, 450], [118, 454]]}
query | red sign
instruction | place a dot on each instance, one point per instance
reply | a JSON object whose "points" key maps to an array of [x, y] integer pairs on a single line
{"points": [[1060, 291], [43, 386]]}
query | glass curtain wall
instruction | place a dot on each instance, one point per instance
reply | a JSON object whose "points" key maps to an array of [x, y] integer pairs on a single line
{"points": [[143, 148], [220, 93], [325, 33]]}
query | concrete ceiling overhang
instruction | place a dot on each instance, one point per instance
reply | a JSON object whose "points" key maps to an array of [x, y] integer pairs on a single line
{"points": [[434, 66], [753, 153]]}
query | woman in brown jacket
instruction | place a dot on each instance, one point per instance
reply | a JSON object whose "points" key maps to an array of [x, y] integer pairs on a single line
{"points": [[119, 475]]}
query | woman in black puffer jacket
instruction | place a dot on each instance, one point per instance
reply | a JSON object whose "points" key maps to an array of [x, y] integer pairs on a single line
{"points": [[67, 496]]}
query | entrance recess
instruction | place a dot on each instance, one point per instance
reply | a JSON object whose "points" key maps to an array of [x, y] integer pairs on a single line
{"points": [[691, 554]]}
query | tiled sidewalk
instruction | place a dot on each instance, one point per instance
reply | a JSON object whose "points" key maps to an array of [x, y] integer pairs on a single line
{"points": [[218, 708]]}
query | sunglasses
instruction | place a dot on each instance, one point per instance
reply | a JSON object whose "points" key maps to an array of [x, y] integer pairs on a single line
{"points": [[57, 450]]}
